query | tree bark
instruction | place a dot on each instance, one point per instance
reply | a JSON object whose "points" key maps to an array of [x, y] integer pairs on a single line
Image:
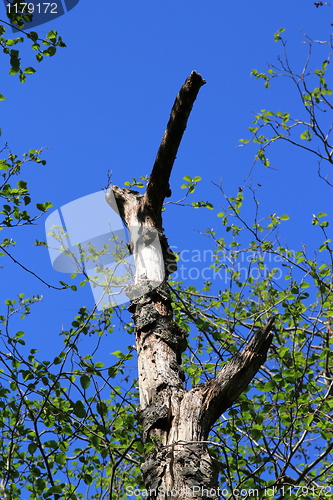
{"points": [[176, 421]]}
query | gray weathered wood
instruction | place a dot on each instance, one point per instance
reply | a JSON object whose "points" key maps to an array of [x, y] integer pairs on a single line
{"points": [[176, 420]]}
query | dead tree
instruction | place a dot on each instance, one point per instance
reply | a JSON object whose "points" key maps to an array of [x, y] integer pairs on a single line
{"points": [[176, 420]]}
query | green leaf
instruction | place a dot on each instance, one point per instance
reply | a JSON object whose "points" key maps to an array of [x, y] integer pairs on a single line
{"points": [[29, 70], [102, 408], [87, 478], [79, 409], [4, 165], [44, 206], [2, 97], [33, 35], [60, 458], [306, 135], [118, 354], [32, 447], [277, 36], [309, 419], [85, 381], [22, 184], [50, 51], [52, 35], [9, 43]]}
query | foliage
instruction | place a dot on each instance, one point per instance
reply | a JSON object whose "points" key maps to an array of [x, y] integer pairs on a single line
{"points": [[64, 422], [313, 129], [42, 47], [14, 197], [279, 434]]}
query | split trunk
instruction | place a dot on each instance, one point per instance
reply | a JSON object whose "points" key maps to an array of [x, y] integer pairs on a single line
{"points": [[175, 420]]}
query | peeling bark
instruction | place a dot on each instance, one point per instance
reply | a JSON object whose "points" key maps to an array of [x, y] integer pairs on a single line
{"points": [[175, 420]]}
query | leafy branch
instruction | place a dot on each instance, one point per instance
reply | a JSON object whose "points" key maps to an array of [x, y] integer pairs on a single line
{"points": [[272, 126], [17, 21]]}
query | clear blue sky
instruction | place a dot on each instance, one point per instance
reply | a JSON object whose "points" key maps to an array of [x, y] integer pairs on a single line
{"points": [[103, 102]]}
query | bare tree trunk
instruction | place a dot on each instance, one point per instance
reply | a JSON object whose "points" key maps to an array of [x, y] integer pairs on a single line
{"points": [[176, 421]]}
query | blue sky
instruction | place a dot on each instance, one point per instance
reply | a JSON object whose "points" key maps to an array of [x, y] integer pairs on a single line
{"points": [[103, 102]]}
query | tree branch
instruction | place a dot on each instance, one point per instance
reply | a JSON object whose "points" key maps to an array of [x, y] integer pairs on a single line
{"points": [[235, 376], [158, 184]]}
